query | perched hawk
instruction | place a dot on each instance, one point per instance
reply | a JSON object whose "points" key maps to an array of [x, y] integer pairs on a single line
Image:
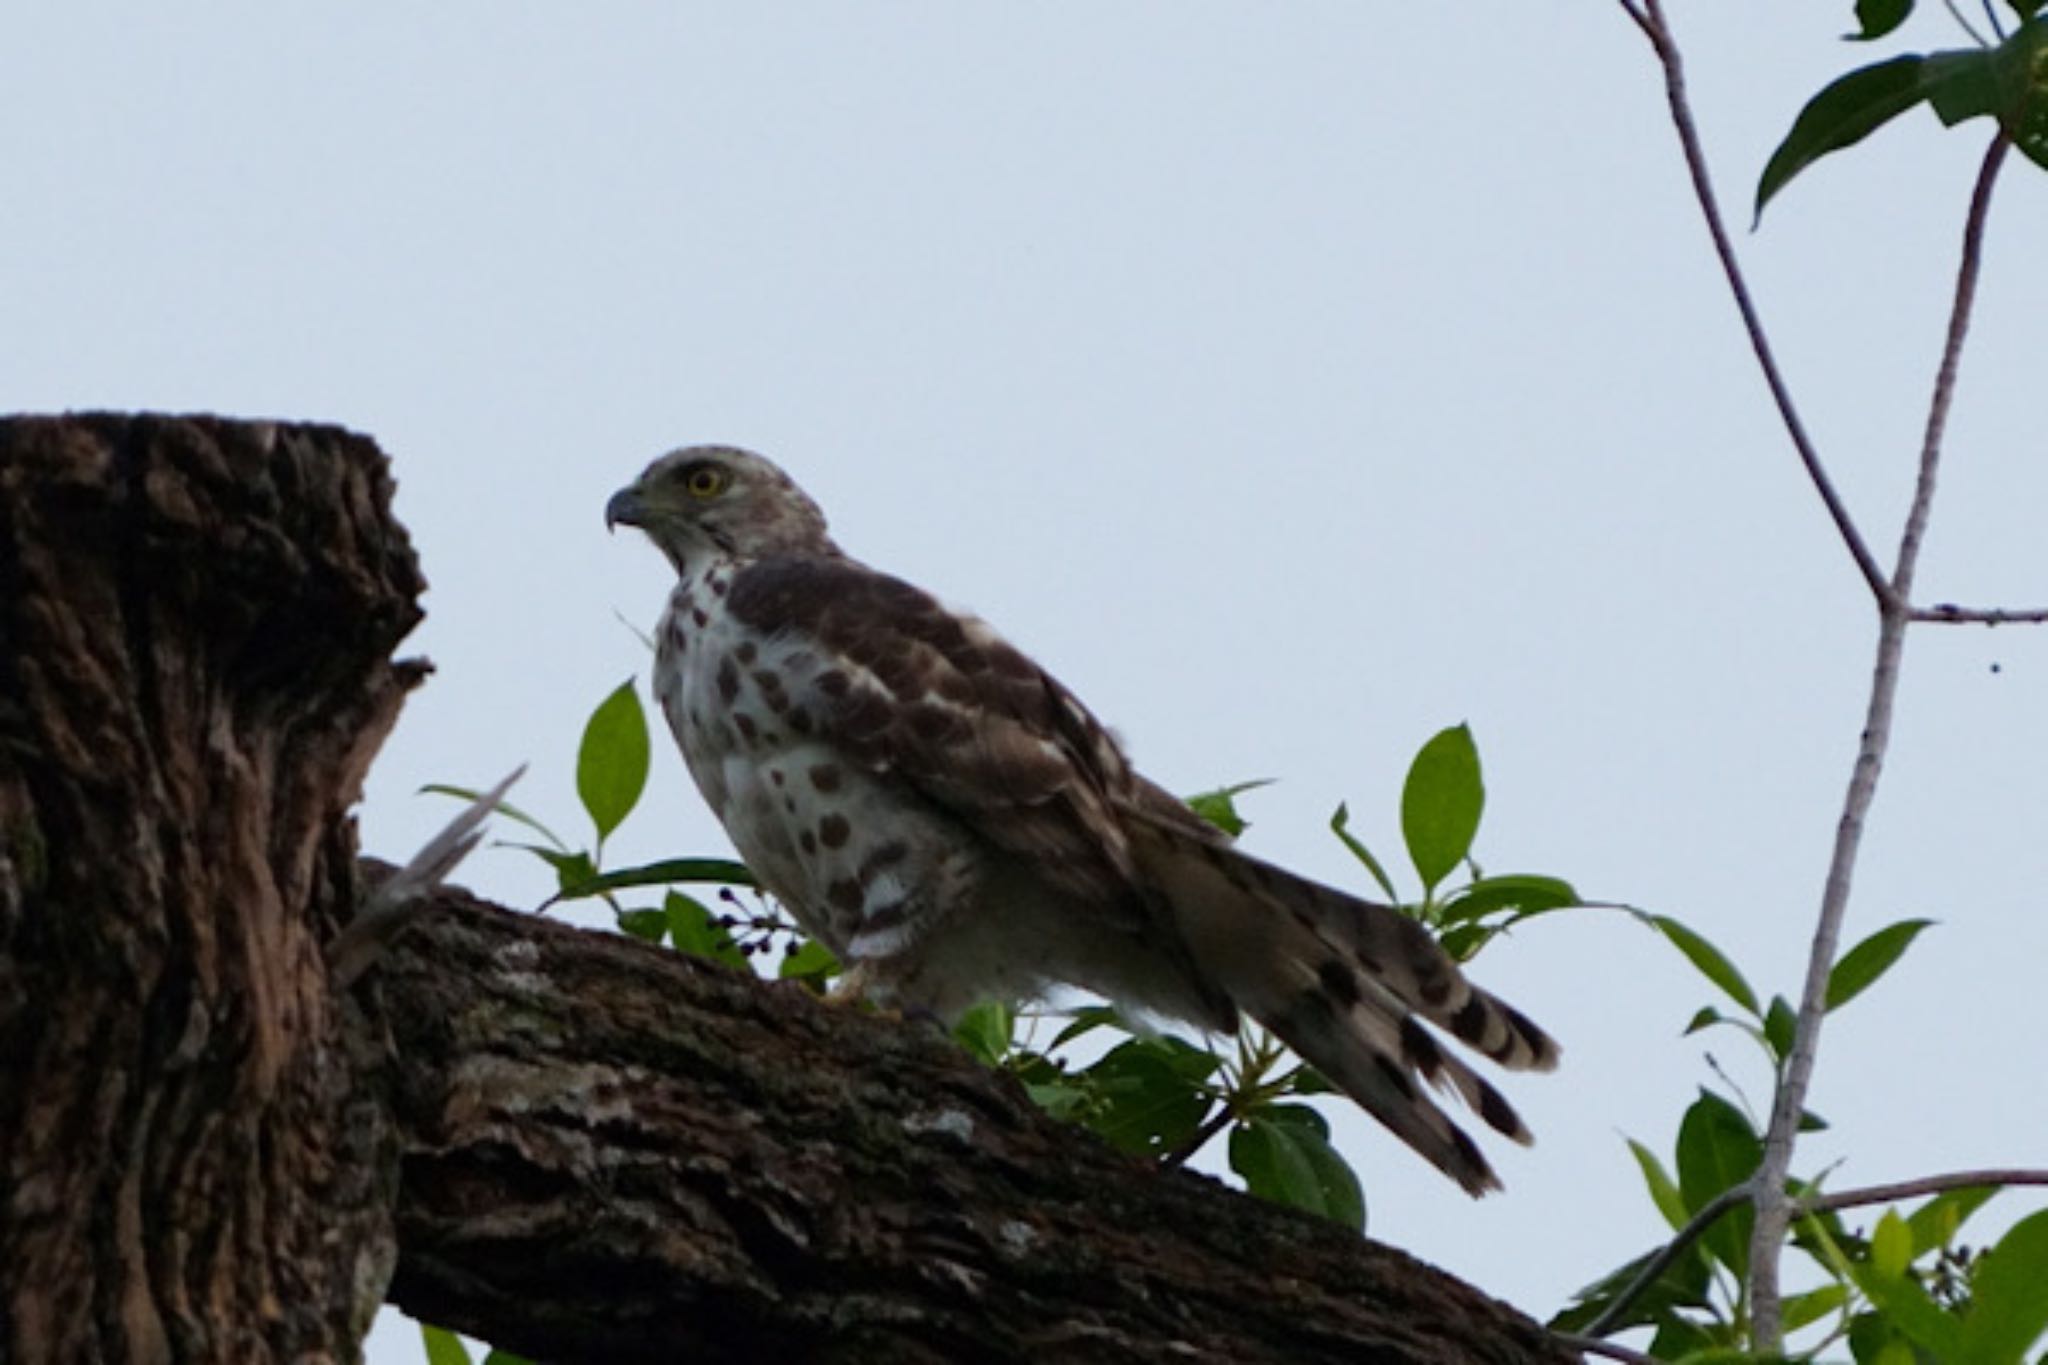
{"points": [[956, 826]]}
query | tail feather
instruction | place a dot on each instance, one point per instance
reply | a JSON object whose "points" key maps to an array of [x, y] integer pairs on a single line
{"points": [[1341, 981]]}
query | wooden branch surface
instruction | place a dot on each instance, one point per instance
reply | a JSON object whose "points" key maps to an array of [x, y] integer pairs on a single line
{"points": [[617, 1152]]}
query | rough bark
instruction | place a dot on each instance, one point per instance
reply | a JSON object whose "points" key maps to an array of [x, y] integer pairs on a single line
{"points": [[196, 625], [568, 1143], [618, 1153]]}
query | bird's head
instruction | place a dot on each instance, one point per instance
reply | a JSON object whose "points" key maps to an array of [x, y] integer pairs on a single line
{"points": [[720, 501]]}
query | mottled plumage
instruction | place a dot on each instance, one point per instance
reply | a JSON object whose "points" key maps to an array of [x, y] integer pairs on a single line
{"points": [[956, 825]]}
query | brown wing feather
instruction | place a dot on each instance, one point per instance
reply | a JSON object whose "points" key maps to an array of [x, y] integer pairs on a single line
{"points": [[942, 703]]}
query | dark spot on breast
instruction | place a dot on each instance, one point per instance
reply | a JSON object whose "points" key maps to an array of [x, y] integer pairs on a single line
{"points": [[747, 729], [728, 681], [833, 830], [697, 615], [825, 776], [844, 894], [746, 652], [775, 776], [770, 684], [799, 720], [717, 586], [808, 841], [833, 683]]}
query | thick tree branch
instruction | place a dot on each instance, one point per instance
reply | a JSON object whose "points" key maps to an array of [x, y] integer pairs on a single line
{"points": [[617, 1152]]}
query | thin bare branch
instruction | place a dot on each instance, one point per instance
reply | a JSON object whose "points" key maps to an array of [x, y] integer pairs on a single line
{"points": [[1949, 614], [1642, 21], [1658, 30], [1672, 1250], [1912, 1189], [1773, 1209]]}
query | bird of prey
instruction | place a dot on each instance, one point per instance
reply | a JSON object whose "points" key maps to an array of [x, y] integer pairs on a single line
{"points": [[956, 826]]}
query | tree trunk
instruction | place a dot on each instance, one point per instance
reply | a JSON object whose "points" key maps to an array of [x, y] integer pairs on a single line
{"points": [[196, 626], [571, 1144]]}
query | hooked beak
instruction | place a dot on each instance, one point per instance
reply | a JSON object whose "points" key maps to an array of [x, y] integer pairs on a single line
{"points": [[625, 507]]}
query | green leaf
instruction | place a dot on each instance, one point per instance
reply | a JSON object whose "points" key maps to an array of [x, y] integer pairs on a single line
{"points": [[570, 868], [1936, 1222], [1704, 1017], [1287, 1159], [1085, 1020], [1863, 964], [443, 1346], [1663, 1189], [1841, 115], [696, 931], [985, 1031], [2008, 82], [1891, 1246], [509, 811], [1717, 1150], [646, 925], [1712, 963], [505, 1358], [1876, 18], [611, 763], [715, 871], [1781, 1026], [1441, 803], [1524, 893], [1151, 1093], [1340, 823], [808, 961], [1219, 807], [2008, 1296]]}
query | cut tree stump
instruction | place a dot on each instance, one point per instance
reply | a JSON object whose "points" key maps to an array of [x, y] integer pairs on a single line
{"points": [[568, 1143]]}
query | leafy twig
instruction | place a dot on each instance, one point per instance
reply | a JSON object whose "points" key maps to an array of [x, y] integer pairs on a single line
{"points": [[1772, 1209]]}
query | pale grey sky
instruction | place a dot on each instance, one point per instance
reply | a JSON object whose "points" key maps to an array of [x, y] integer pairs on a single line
{"points": [[1292, 380]]}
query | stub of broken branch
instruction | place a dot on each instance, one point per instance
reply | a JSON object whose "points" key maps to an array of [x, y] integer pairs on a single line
{"points": [[618, 1152]]}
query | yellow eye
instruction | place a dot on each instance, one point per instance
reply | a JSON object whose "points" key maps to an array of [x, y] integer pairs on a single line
{"points": [[705, 481]]}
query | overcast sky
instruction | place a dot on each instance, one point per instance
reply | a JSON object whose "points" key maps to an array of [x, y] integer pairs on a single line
{"points": [[1292, 380]]}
